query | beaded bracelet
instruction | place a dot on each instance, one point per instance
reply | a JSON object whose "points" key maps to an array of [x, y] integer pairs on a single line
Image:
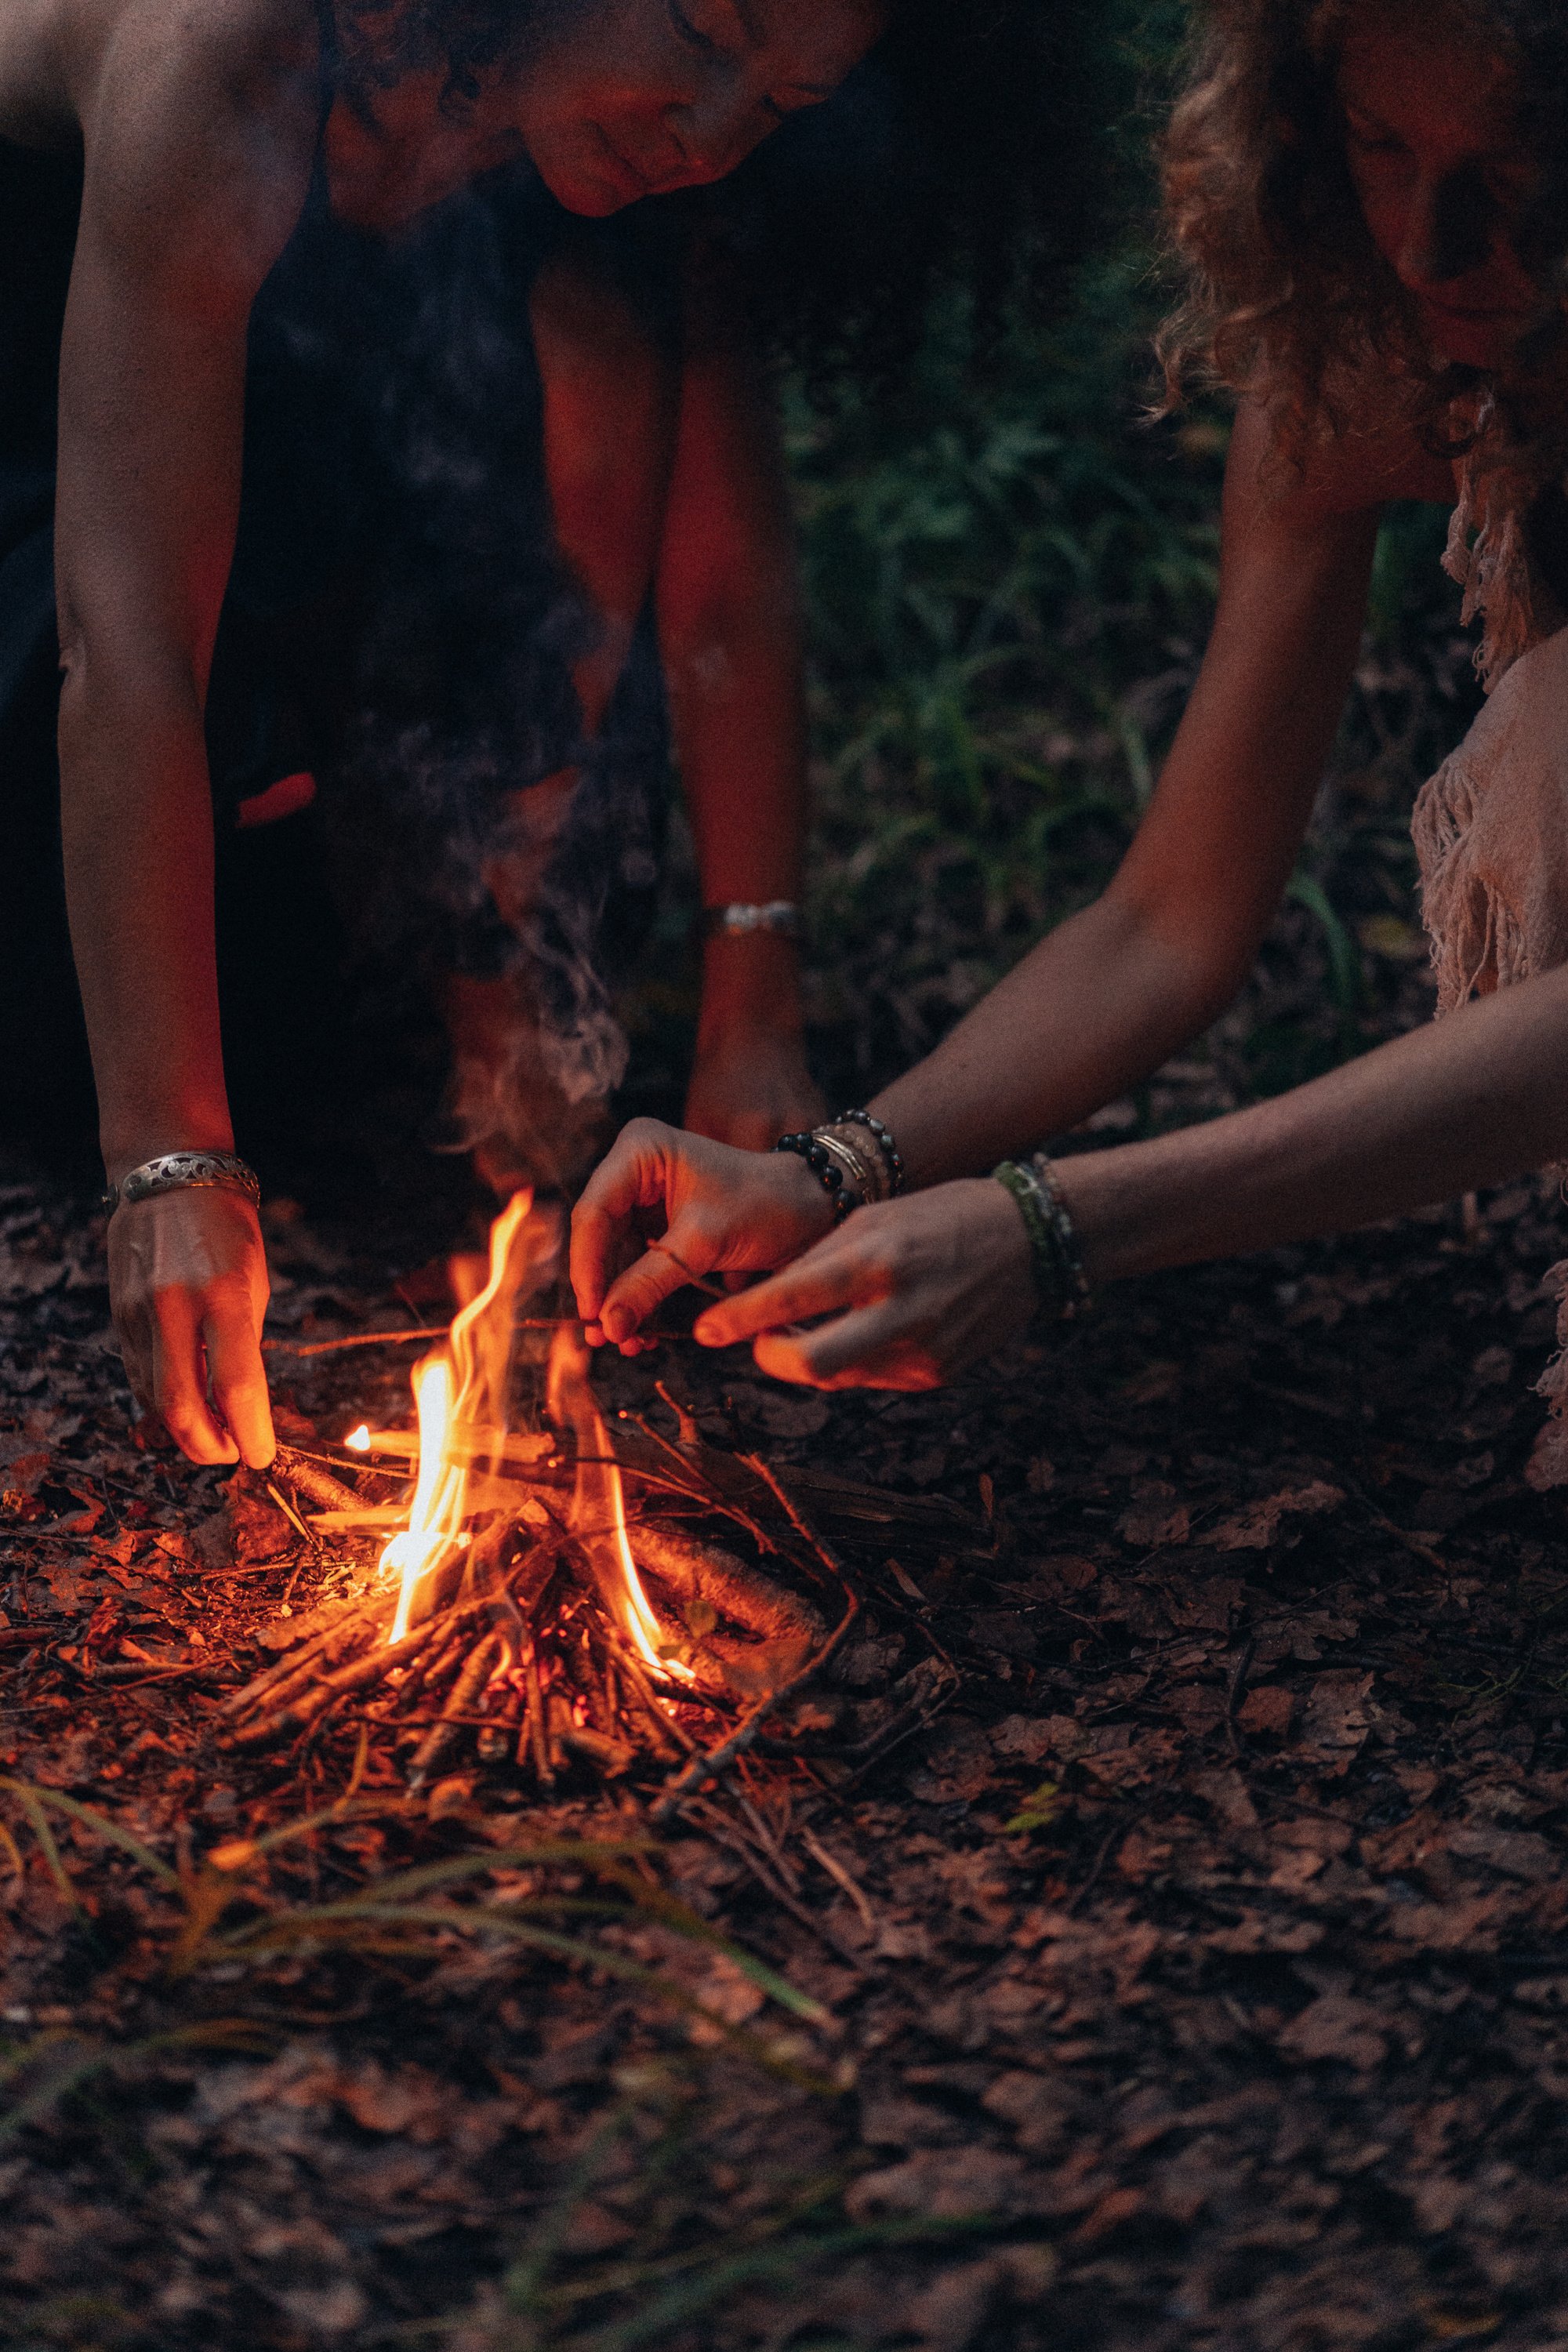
{"points": [[1064, 1233], [887, 1150], [824, 1168], [1054, 1250]]}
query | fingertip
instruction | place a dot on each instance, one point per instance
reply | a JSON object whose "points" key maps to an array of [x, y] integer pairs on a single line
{"points": [[621, 1321], [212, 1451]]}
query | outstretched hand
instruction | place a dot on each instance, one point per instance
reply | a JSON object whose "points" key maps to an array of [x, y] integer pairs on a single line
{"points": [[188, 1288], [666, 1208], [914, 1290]]}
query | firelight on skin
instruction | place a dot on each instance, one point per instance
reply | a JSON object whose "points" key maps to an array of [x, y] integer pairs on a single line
{"points": [[1437, 165], [638, 100], [1446, 163], [206, 136]]}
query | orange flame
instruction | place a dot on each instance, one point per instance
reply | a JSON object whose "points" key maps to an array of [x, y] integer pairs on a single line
{"points": [[460, 1397], [462, 1381], [598, 1505], [436, 1515]]}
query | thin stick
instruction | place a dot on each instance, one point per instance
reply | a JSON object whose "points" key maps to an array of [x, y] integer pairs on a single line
{"points": [[685, 1420], [841, 1877], [293, 1516], [316, 1485], [398, 1338], [718, 1760], [699, 1490], [476, 1672], [710, 1816], [802, 1525], [537, 1732], [303, 1661], [696, 1281], [300, 1711], [664, 1723]]}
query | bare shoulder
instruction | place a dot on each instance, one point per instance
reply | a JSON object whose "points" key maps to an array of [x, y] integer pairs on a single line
{"points": [[199, 118], [1377, 455]]}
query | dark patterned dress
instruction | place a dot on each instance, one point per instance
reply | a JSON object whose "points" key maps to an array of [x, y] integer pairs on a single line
{"points": [[398, 627]]}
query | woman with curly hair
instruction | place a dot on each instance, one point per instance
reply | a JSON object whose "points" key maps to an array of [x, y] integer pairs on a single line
{"points": [[381, 408], [1370, 197]]}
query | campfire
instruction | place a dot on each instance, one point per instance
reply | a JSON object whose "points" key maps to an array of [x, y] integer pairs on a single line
{"points": [[514, 1610]]}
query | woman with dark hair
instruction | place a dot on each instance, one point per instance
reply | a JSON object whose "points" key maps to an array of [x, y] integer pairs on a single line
{"points": [[1370, 196], [351, 440]]}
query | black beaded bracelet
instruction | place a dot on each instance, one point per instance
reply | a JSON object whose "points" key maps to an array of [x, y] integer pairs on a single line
{"points": [[824, 1168], [885, 1144]]}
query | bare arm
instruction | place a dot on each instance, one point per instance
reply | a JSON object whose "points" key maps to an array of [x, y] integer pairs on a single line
{"points": [[1113, 990], [198, 154], [729, 631], [1471, 1101], [1103, 1001]]}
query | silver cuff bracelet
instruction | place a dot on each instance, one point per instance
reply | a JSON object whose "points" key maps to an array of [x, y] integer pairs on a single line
{"points": [[177, 1171], [781, 916]]}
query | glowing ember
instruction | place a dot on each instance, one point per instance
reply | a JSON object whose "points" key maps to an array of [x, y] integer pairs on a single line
{"points": [[358, 1440]]}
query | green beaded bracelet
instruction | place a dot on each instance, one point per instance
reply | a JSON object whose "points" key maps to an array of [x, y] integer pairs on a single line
{"points": [[1057, 1260]]}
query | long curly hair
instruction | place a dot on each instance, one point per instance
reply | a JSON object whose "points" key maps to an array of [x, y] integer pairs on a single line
{"points": [[971, 147], [1285, 286]]}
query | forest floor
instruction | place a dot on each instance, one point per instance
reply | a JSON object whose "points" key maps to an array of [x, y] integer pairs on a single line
{"points": [[1191, 1973]]}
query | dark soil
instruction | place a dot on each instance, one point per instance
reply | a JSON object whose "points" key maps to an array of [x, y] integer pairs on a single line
{"points": [[1191, 1973]]}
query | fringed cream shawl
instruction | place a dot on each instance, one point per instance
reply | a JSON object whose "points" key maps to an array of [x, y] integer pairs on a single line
{"points": [[1491, 826]]}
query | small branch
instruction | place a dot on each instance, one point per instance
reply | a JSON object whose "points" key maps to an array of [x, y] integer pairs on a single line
{"points": [[395, 1338], [699, 1490], [480, 1664], [718, 1760], [801, 1525], [709, 1817]]}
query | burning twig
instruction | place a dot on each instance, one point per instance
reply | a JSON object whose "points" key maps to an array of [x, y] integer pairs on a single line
{"points": [[718, 1760], [465, 1443], [274, 1706], [713, 1582], [482, 1660]]}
